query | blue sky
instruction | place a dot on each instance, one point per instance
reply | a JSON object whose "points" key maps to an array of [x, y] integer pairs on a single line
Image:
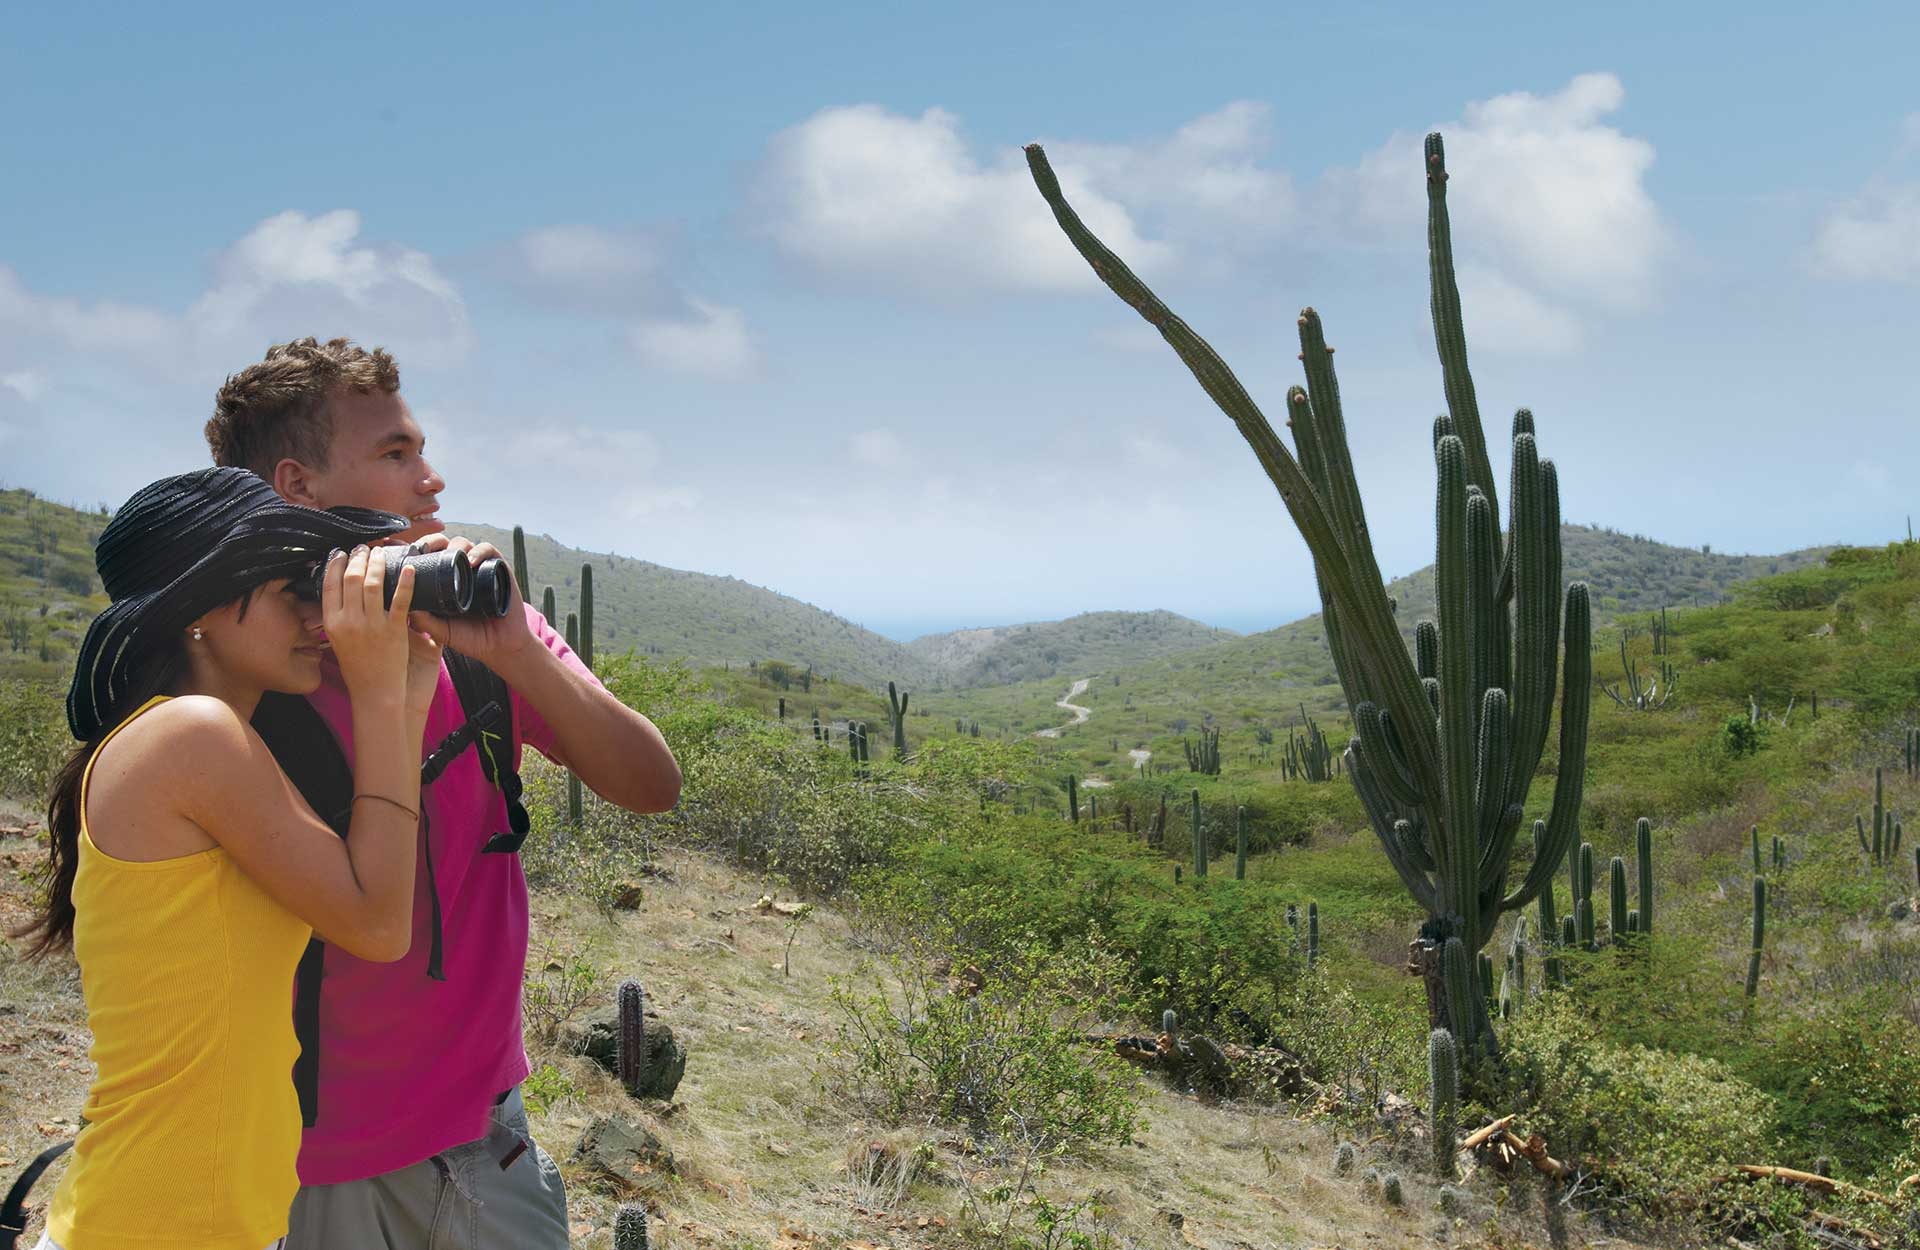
{"points": [[764, 291]]}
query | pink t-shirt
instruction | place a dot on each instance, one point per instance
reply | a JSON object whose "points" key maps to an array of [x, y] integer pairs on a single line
{"points": [[410, 1066]]}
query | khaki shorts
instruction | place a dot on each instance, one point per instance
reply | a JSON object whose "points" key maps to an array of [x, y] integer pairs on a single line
{"points": [[465, 1198], [48, 1243]]}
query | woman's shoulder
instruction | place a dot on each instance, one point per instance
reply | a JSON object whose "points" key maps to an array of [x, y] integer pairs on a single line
{"points": [[186, 728]]}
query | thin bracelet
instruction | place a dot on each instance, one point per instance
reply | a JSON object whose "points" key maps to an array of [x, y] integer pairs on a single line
{"points": [[384, 799]]}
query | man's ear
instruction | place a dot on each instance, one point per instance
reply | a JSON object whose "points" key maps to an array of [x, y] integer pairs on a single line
{"points": [[293, 482]]}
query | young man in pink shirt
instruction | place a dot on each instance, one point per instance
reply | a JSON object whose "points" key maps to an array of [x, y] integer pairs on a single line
{"points": [[410, 1071]]}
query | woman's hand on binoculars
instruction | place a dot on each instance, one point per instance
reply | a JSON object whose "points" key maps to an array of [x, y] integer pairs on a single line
{"points": [[372, 641], [495, 641]]}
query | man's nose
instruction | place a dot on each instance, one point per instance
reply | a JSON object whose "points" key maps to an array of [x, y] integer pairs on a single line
{"points": [[432, 483]]}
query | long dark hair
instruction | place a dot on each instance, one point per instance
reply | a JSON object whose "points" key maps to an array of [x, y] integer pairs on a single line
{"points": [[152, 674]]}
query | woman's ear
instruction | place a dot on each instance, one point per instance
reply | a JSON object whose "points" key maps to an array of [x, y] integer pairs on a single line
{"points": [[293, 482]]}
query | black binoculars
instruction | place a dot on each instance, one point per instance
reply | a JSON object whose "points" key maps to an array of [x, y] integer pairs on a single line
{"points": [[445, 582]]}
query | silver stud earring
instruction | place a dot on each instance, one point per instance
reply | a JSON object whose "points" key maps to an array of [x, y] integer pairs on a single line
{"points": [[197, 635]]}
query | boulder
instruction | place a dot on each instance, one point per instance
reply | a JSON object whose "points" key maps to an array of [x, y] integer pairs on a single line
{"points": [[626, 1154], [598, 1038]]}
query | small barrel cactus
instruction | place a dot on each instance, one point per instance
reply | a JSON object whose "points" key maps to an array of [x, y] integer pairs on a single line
{"points": [[1370, 1180], [633, 1035], [1344, 1156], [630, 1227], [1451, 1200], [1390, 1190]]}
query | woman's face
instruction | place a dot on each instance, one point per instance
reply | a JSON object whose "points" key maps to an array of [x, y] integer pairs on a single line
{"points": [[267, 640]]}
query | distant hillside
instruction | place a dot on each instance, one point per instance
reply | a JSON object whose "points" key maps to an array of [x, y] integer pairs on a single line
{"points": [[1265, 677], [48, 589], [704, 619], [1004, 654]]}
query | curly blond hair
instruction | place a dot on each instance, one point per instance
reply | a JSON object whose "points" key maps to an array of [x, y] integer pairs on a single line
{"points": [[277, 409]]}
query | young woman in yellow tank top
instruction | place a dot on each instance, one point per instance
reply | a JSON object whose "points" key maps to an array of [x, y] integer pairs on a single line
{"points": [[187, 873]]}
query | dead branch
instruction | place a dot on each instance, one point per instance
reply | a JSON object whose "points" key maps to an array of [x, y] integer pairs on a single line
{"points": [[1824, 1184], [1479, 1136]]}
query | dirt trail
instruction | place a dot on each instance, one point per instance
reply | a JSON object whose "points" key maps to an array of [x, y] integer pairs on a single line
{"points": [[1080, 714]]}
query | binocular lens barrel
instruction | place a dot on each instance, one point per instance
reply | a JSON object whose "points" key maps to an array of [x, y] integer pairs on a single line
{"points": [[445, 583]]}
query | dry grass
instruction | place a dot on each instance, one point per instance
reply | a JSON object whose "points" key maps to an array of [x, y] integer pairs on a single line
{"points": [[772, 1154]]}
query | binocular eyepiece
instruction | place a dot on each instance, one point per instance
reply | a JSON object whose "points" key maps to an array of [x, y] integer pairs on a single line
{"points": [[445, 582]]}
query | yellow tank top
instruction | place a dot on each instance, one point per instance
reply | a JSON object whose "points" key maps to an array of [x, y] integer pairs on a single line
{"points": [[193, 1125]]}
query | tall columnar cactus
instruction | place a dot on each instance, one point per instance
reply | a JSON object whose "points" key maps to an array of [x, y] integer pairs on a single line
{"points": [[1443, 1073], [520, 561], [897, 708], [1205, 758], [547, 607], [630, 1227], [1759, 934], [1239, 844], [1617, 899], [1549, 924], [585, 648], [1308, 756], [1442, 754], [1640, 697], [1313, 933], [1755, 833], [1583, 896], [632, 1045], [1913, 753], [1073, 798], [1779, 854], [1199, 839], [1643, 862]]}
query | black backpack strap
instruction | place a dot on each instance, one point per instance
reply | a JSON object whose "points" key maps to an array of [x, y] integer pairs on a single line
{"points": [[488, 706], [310, 755], [13, 1212]]}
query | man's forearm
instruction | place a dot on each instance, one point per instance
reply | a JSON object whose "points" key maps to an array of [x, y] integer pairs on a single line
{"points": [[615, 750]]}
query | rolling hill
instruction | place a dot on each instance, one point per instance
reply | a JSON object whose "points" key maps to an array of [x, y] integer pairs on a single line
{"points": [[1003, 654]]}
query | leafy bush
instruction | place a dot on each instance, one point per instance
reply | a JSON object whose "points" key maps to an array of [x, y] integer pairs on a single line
{"points": [[1659, 1127], [998, 1050], [34, 741]]}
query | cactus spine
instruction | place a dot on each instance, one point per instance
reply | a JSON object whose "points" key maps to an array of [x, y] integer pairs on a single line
{"points": [[1239, 844], [630, 1227], [520, 561], [1443, 1071], [897, 708], [632, 1046], [1442, 760], [1759, 934]]}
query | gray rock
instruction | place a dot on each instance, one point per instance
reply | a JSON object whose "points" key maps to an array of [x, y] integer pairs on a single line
{"points": [[625, 1153], [598, 1038]]}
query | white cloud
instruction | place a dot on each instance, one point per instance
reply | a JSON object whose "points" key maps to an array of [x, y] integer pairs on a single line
{"points": [[27, 384], [1874, 237], [710, 342], [1873, 473], [1539, 182], [880, 449], [291, 275], [869, 195], [1549, 203], [579, 268], [583, 475], [1504, 316]]}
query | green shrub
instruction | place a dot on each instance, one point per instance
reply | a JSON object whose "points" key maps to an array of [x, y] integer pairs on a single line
{"points": [[1001, 1054], [1846, 1078], [1660, 1128], [34, 741]]}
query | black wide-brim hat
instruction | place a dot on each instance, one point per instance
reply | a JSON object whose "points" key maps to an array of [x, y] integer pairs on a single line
{"points": [[182, 547]]}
